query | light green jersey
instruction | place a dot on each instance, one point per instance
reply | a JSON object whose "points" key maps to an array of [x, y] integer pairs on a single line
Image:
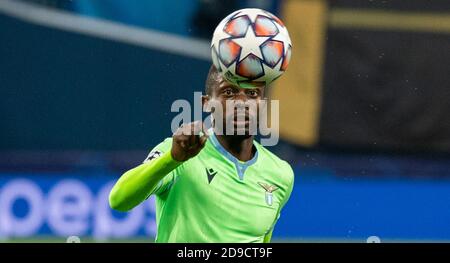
{"points": [[214, 197]]}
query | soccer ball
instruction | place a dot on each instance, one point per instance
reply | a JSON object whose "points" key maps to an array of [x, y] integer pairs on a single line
{"points": [[251, 47]]}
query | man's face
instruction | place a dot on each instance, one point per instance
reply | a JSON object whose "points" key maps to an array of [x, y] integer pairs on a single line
{"points": [[239, 107]]}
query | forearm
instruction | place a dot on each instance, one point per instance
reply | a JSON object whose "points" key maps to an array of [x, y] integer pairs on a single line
{"points": [[135, 185]]}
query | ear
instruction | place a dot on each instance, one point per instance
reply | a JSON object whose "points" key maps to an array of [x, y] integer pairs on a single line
{"points": [[205, 103]]}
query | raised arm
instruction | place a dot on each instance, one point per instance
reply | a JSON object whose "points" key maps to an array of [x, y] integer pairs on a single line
{"points": [[137, 184]]}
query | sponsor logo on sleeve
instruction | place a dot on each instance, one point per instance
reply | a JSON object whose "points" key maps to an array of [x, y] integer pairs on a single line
{"points": [[153, 155]]}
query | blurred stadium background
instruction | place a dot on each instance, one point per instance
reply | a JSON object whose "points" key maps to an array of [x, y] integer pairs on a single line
{"points": [[86, 88]]}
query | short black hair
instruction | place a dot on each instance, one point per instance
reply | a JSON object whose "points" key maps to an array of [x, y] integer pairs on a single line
{"points": [[212, 80]]}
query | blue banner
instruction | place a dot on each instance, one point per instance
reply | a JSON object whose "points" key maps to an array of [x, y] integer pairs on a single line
{"points": [[321, 207], [68, 205]]}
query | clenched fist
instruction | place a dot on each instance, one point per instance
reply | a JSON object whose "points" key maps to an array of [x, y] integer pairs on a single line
{"points": [[188, 141]]}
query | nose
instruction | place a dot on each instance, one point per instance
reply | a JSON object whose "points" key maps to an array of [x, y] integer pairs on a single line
{"points": [[240, 103], [241, 97]]}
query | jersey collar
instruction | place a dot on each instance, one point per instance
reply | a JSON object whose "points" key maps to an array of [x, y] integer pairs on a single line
{"points": [[240, 166]]}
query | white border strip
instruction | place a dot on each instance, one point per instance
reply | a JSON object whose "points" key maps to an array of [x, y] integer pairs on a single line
{"points": [[63, 20]]}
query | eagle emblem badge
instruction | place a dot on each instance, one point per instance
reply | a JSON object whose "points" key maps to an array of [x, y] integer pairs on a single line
{"points": [[269, 190]]}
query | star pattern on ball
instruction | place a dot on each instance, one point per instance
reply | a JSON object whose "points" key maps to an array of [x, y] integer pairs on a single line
{"points": [[231, 69], [253, 13], [283, 36], [270, 74], [218, 36], [247, 49], [254, 45]]}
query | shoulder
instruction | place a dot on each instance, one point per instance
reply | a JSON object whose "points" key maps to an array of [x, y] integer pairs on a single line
{"points": [[269, 159]]}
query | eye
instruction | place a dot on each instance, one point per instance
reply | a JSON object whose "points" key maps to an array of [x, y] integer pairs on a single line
{"points": [[253, 93], [228, 92]]}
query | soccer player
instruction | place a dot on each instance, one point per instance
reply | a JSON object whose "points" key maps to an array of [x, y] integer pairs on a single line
{"points": [[211, 187]]}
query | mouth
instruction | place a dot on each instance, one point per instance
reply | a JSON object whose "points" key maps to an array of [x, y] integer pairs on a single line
{"points": [[242, 114], [241, 118], [242, 121]]}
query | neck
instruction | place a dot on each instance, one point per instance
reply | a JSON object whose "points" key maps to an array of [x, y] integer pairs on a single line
{"points": [[240, 147]]}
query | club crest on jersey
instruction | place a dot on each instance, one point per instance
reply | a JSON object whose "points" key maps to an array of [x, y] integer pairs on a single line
{"points": [[269, 190]]}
